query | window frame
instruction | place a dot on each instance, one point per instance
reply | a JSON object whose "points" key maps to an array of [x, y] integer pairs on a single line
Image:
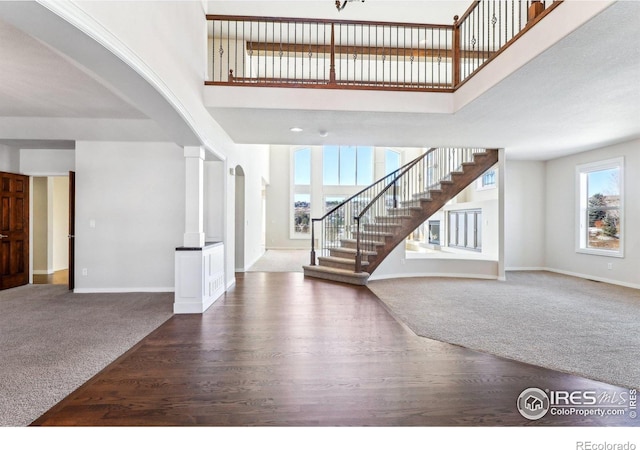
{"points": [[462, 229], [341, 178], [582, 211], [480, 186]]}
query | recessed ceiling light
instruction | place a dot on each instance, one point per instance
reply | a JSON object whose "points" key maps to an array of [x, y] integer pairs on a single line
{"points": [[324, 133], [295, 129]]}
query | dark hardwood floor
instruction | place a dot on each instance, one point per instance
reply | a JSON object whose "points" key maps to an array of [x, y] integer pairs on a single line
{"points": [[282, 350]]}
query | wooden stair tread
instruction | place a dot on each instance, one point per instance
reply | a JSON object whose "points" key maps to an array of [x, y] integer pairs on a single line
{"points": [[339, 275], [364, 242], [337, 259], [353, 251]]}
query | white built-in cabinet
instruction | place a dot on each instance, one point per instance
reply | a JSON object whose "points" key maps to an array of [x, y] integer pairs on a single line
{"points": [[199, 277]]}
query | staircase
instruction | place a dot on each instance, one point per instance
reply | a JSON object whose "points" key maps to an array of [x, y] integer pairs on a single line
{"points": [[350, 241]]}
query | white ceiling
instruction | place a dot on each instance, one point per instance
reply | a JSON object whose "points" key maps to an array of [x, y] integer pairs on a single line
{"points": [[38, 82], [582, 93], [411, 11]]}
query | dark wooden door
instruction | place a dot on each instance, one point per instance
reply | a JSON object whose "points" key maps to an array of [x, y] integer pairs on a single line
{"points": [[14, 230], [72, 228]]}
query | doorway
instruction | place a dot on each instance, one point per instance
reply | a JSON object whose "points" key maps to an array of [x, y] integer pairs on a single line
{"points": [[50, 218], [240, 219]]}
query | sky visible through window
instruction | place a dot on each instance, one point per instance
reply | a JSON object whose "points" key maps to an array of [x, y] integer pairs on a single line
{"points": [[603, 182], [302, 167], [347, 165], [342, 165]]}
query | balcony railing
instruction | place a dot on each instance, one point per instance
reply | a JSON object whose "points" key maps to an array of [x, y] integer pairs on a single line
{"points": [[315, 53]]}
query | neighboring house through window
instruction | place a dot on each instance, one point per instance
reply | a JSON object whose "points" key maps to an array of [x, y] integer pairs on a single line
{"points": [[600, 208], [301, 192]]}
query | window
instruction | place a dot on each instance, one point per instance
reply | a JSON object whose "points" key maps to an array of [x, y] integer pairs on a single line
{"points": [[301, 192], [347, 166], [434, 232], [465, 229], [302, 213], [391, 161], [600, 208], [302, 167], [487, 180], [332, 202]]}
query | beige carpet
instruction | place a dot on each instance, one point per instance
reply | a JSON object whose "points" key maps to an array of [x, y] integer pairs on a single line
{"points": [[53, 341], [281, 261], [555, 321]]}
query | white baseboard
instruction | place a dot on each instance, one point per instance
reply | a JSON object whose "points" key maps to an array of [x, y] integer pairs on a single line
{"points": [[116, 290], [577, 275], [434, 274], [43, 272], [231, 283], [194, 307], [591, 277]]}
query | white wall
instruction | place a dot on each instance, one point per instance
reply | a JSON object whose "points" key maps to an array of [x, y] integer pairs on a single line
{"points": [[42, 162], [214, 190], [256, 164], [9, 159], [560, 219], [39, 222], [525, 217], [60, 223], [133, 194], [278, 201], [398, 265]]}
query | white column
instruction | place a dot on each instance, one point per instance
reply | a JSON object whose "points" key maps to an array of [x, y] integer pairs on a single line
{"points": [[194, 201]]}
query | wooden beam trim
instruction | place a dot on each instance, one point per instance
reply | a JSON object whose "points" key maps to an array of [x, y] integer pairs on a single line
{"points": [[406, 52]]}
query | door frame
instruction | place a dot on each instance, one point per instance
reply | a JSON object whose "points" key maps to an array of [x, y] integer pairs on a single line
{"points": [[72, 230], [47, 174]]}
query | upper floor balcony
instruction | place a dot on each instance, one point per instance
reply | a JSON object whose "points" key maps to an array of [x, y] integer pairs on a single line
{"points": [[316, 53]]}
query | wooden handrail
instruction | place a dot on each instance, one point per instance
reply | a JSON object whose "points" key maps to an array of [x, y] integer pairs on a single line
{"points": [[529, 25], [469, 10]]}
